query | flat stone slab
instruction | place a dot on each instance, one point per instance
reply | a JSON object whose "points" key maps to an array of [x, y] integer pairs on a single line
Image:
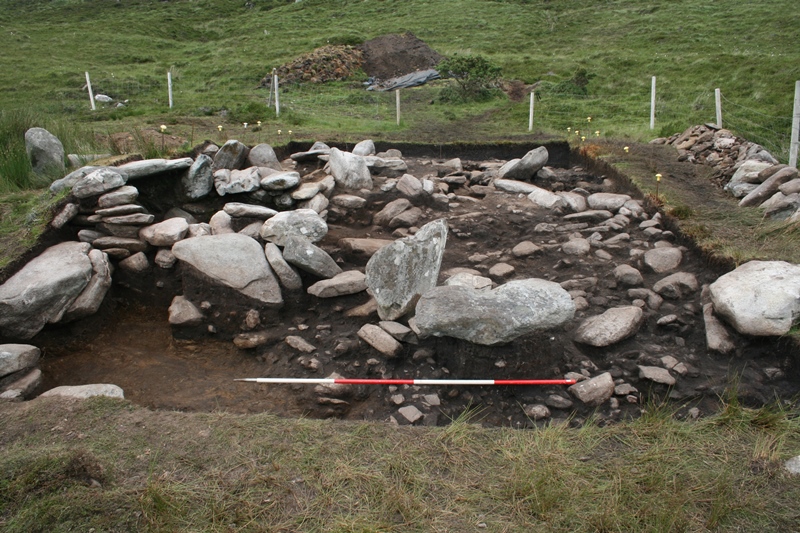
{"points": [[612, 326], [493, 317], [350, 282], [85, 391], [16, 357]]}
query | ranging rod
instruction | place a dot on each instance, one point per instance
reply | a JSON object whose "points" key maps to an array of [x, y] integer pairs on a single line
{"points": [[362, 381]]}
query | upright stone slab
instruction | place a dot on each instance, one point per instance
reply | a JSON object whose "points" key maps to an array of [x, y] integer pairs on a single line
{"points": [[263, 155], [350, 171], [231, 156], [42, 291], [88, 301], [44, 150], [759, 298], [493, 317], [401, 272], [525, 168], [302, 253], [198, 181], [235, 261]]}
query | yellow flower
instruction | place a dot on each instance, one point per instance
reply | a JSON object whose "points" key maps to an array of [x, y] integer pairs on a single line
{"points": [[259, 122], [626, 149], [569, 130], [163, 128], [588, 119], [219, 127], [583, 138], [290, 132], [658, 177], [597, 133], [279, 132]]}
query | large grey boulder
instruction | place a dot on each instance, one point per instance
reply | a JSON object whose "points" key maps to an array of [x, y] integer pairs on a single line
{"points": [[546, 199], [231, 156], [127, 194], [365, 147], [493, 317], [614, 325], [401, 272], [350, 171], [44, 150], [301, 222], [44, 289], [759, 298], [16, 357], [525, 168], [262, 155], [150, 167], [302, 253], [663, 260], [235, 261], [199, 180]]}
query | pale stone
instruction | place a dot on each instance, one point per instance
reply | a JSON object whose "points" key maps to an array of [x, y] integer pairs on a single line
{"points": [[607, 201], [287, 275], [759, 298], [656, 374], [717, 337], [350, 171], [85, 391], [493, 317], [165, 233], [304, 223], [349, 201], [677, 285], [16, 357], [42, 291], [525, 249], [350, 282], [182, 312], [614, 325], [595, 391], [235, 261], [98, 182], [376, 337], [663, 260], [302, 253], [238, 209], [400, 272], [628, 275], [299, 344]]}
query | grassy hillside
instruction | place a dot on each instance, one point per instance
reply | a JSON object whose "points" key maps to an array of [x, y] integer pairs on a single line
{"points": [[219, 51]]}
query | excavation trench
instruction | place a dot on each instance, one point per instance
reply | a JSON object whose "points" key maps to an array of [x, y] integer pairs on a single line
{"points": [[130, 343]]}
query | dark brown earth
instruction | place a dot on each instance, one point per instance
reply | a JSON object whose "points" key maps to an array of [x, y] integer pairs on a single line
{"points": [[129, 343], [392, 55]]}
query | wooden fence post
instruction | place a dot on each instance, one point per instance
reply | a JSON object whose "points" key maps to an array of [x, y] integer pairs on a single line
{"points": [[169, 87], [718, 103], [653, 104], [91, 94], [530, 113], [795, 126], [277, 99], [397, 104]]}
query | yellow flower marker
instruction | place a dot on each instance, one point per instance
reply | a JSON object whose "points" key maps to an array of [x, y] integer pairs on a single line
{"points": [[583, 138], [219, 127], [626, 149], [588, 119], [597, 133], [163, 128], [244, 124], [279, 132], [658, 180]]}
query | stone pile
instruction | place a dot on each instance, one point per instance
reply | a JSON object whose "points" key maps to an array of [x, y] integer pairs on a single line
{"points": [[615, 281], [745, 169], [328, 63]]}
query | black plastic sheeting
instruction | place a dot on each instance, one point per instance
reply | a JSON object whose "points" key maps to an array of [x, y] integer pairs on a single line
{"points": [[420, 77]]}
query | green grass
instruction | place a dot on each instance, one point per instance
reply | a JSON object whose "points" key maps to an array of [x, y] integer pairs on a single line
{"points": [[218, 52], [162, 471]]}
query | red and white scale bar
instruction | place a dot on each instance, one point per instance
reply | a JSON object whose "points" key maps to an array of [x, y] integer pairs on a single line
{"points": [[443, 382]]}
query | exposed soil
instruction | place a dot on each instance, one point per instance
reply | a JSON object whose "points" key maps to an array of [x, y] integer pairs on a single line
{"points": [[392, 55], [129, 343]]}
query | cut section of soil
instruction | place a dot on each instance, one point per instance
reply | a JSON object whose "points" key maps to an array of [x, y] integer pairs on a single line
{"points": [[393, 55]]}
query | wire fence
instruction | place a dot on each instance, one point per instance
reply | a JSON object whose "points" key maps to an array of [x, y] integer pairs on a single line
{"points": [[591, 115]]}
